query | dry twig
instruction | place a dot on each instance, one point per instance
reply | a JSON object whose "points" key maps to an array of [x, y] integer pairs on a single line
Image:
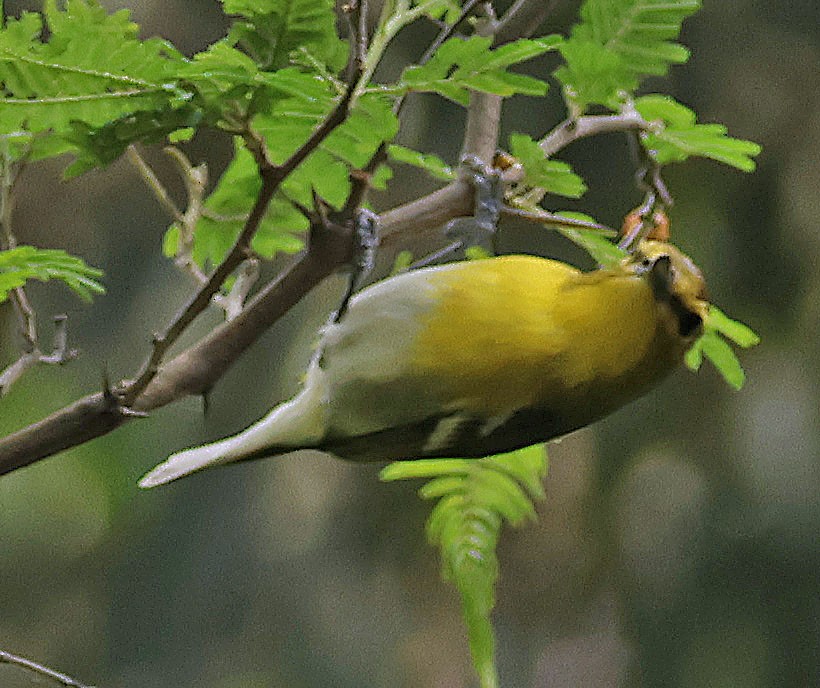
{"points": [[40, 670]]}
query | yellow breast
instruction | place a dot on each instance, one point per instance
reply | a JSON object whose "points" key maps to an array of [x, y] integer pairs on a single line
{"points": [[520, 331]]}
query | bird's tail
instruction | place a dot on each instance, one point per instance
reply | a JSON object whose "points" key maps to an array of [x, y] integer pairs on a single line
{"points": [[296, 424]]}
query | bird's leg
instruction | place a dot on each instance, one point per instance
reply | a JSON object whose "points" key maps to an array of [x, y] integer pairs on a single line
{"points": [[480, 228], [366, 236], [648, 220]]}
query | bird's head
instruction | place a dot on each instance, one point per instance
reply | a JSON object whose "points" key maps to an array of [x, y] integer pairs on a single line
{"points": [[677, 284]]}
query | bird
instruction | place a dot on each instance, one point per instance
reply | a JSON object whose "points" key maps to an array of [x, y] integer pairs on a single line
{"points": [[475, 358]]}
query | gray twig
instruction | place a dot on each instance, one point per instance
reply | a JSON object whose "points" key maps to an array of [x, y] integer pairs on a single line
{"points": [[60, 353], [41, 670]]}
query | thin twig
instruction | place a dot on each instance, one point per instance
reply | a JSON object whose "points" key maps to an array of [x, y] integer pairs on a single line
{"points": [[16, 370], [195, 178], [234, 301], [360, 179], [40, 669], [26, 318], [656, 195], [60, 351], [571, 130], [60, 354], [523, 18], [150, 178], [542, 217]]}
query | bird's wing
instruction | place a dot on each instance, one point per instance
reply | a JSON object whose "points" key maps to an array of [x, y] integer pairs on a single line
{"points": [[461, 341]]}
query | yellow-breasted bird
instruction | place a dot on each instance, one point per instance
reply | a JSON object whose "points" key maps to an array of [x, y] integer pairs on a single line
{"points": [[476, 358]]}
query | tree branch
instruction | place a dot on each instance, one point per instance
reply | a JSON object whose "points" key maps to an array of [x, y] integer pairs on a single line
{"points": [[272, 178], [571, 130], [194, 371]]}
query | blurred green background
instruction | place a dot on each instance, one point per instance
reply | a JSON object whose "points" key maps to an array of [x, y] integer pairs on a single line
{"points": [[679, 542]]}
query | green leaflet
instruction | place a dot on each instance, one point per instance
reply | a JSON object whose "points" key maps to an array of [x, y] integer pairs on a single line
{"points": [[93, 69], [271, 32], [23, 263], [432, 164], [475, 498], [713, 345], [553, 176], [680, 136], [617, 43], [460, 65]]}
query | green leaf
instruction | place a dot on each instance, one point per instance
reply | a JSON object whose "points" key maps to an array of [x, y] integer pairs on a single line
{"points": [[718, 351], [680, 137], [23, 263], [593, 75], [740, 334], [712, 346], [381, 177], [596, 243], [91, 68], [100, 146], [447, 11], [551, 175], [219, 68], [227, 208], [299, 104], [460, 65], [292, 119], [475, 498], [432, 164], [271, 32], [617, 43]]}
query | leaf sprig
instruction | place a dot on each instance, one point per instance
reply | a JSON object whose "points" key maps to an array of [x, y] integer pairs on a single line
{"points": [[680, 136], [616, 44], [475, 499], [713, 345], [462, 65], [23, 263]]}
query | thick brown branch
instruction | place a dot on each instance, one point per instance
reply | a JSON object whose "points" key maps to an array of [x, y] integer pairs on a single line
{"points": [[418, 218], [83, 420], [193, 371], [197, 369]]}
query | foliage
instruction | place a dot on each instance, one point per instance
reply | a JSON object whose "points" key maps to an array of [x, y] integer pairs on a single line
{"points": [[681, 137], [23, 263], [92, 69], [462, 65], [475, 498], [553, 176], [616, 44], [713, 345], [432, 164], [76, 79], [271, 32]]}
